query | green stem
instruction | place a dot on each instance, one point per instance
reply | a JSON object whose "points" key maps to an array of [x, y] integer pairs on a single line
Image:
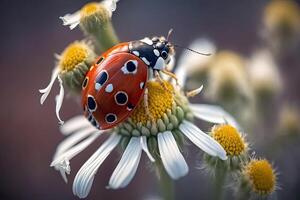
{"points": [[166, 183], [104, 37], [220, 177]]}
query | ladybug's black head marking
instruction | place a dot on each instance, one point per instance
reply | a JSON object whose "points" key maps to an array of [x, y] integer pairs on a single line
{"points": [[156, 52]]}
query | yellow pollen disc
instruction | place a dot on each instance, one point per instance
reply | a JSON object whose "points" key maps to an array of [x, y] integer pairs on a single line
{"points": [[89, 8], [278, 12], [229, 138], [74, 54], [261, 175], [160, 100]]}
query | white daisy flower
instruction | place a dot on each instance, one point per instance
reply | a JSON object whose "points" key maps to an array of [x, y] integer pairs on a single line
{"points": [[190, 63], [70, 70], [157, 134], [101, 10]]}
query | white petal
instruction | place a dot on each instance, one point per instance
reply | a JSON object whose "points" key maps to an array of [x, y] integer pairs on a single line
{"points": [[127, 166], [145, 148], [71, 20], [74, 124], [74, 139], [213, 114], [59, 162], [84, 178], [190, 61], [110, 5], [59, 99], [202, 140], [64, 169], [47, 90], [171, 157]]}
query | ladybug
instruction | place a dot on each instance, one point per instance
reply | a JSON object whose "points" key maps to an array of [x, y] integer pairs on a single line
{"points": [[116, 82]]}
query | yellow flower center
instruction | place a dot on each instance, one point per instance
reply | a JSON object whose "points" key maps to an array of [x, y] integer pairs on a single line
{"points": [[89, 8], [95, 10], [74, 54], [160, 99], [261, 175], [282, 13], [229, 138]]}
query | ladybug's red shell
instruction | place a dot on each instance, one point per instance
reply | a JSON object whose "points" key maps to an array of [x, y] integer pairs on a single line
{"points": [[113, 87]]}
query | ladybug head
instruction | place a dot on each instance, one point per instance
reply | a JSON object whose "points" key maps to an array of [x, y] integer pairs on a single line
{"points": [[164, 48]]}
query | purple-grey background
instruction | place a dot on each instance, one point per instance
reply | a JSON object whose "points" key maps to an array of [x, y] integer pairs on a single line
{"points": [[30, 35]]}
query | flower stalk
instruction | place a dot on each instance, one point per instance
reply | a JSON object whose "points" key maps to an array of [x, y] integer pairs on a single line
{"points": [[220, 177], [165, 182]]}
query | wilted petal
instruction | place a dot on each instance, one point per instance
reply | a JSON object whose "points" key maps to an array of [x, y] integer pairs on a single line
{"points": [[110, 5], [62, 161], [74, 139], [59, 99], [71, 20], [47, 90]]}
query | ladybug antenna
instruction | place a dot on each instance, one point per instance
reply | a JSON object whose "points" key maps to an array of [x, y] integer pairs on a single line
{"points": [[169, 33], [204, 54]]}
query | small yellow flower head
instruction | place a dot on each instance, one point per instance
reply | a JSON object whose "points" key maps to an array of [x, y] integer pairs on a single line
{"points": [[230, 139], [74, 62], [95, 20], [234, 145], [289, 121], [94, 13], [282, 16], [260, 176], [227, 78], [282, 25]]}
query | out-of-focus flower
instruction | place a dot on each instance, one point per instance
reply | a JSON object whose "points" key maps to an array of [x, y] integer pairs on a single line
{"points": [[289, 121], [264, 75], [95, 20], [70, 70], [158, 133], [193, 65], [282, 23], [258, 179], [227, 78]]}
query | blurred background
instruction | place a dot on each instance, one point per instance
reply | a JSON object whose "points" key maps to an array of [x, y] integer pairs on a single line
{"points": [[31, 33]]}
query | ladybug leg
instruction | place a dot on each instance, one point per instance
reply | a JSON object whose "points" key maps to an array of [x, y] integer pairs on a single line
{"points": [[146, 105], [171, 75], [158, 78]]}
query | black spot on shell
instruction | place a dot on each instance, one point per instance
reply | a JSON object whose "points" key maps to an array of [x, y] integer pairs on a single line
{"points": [[110, 118], [121, 98], [91, 103], [130, 66], [102, 77]]}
